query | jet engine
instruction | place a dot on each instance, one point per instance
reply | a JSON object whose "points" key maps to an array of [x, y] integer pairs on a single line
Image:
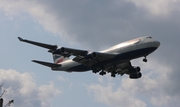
{"points": [[135, 73], [102, 56], [69, 51]]}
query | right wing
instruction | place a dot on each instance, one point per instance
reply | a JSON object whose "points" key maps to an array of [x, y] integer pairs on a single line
{"points": [[84, 57], [94, 58]]}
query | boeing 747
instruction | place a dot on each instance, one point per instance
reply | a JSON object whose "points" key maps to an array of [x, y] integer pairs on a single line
{"points": [[114, 60]]}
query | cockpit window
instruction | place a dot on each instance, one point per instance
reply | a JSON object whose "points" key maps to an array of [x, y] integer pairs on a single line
{"points": [[149, 37]]}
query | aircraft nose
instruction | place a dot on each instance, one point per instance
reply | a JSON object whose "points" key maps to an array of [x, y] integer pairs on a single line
{"points": [[157, 43]]}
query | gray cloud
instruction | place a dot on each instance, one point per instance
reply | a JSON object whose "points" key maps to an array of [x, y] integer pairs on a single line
{"points": [[94, 23], [154, 89], [103, 23]]}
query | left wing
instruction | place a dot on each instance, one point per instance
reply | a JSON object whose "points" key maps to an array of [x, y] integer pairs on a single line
{"points": [[47, 46]]}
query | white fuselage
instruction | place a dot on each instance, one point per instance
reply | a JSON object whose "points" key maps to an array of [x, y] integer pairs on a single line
{"points": [[129, 50]]}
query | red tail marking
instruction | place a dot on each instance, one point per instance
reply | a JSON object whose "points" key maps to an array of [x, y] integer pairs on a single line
{"points": [[60, 60]]}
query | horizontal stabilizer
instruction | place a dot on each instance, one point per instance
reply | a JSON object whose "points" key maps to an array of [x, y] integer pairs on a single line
{"points": [[51, 47], [48, 64]]}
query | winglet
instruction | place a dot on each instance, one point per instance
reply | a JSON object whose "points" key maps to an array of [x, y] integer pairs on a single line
{"points": [[20, 39], [48, 64]]}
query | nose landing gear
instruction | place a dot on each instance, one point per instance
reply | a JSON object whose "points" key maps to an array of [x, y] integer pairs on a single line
{"points": [[145, 60]]}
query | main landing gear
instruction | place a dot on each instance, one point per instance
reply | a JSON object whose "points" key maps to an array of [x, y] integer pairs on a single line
{"points": [[113, 75], [102, 73]]}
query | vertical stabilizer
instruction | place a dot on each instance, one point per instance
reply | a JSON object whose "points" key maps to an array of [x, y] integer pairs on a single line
{"points": [[58, 58]]}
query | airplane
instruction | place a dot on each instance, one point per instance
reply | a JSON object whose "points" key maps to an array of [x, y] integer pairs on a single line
{"points": [[114, 60]]}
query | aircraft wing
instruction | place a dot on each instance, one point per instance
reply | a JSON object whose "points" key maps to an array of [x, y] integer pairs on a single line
{"points": [[120, 68], [56, 50], [94, 58], [84, 57], [81, 56], [47, 46]]}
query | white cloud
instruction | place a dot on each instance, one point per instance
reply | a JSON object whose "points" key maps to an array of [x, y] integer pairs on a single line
{"points": [[114, 98], [153, 88], [38, 11], [61, 78], [23, 90]]}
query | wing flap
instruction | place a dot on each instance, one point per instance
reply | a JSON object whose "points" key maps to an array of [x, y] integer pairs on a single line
{"points": [[48, 64]]}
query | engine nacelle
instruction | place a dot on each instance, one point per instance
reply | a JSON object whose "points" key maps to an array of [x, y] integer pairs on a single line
{"points": [[102, 56], [95, 54], [69, 51], [60, 51], [134, 70], [135, 75]]}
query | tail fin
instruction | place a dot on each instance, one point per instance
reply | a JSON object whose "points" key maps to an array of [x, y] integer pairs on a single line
{"points": [[58, 58]]}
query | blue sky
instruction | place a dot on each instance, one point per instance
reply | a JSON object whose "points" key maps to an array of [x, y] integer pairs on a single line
{"points": [[91, 25]]}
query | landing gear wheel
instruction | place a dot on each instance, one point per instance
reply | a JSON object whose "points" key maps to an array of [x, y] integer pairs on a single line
{"points": [[102, 73], [139, 74], [144, 60], [138, 69], [135, 75], [113, 75], [95, 71]]}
